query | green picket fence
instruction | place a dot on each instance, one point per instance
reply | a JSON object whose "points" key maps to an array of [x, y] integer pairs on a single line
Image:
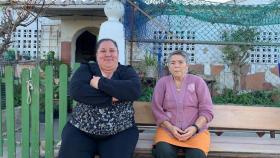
{"points": [[30, 104]]}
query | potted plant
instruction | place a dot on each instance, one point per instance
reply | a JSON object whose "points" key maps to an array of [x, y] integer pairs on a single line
{"points": [[150, 61]]}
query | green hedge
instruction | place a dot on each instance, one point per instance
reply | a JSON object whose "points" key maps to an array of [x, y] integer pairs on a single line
{"points": [[265, 98]]}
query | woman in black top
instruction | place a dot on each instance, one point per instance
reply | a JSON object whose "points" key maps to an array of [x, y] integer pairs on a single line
{"points": [[103, 121]]}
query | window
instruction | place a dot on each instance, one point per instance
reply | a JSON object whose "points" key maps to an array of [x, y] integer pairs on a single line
{"points": [[267, 57], [264, 54], [269, 49], [192, 59]]}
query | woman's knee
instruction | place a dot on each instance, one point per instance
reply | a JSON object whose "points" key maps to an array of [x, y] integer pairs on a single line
{"points": [[75, 144], [164, 150], [194, 153]]}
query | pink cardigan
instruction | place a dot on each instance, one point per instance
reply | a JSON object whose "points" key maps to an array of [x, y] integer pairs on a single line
{"points": [[182, 108]]}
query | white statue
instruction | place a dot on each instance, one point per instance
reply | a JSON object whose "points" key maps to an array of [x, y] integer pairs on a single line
{"points": [[112, 28]]}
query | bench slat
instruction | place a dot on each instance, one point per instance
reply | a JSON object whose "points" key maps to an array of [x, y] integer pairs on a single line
{"points": [[245, 145], [143, 113], [245, 117], [223, 144]]}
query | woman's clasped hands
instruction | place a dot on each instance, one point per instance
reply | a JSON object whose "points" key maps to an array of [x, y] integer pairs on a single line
{"points": [[182, 135]]}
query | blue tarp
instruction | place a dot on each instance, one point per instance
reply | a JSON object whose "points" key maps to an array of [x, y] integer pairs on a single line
{"points": [[279, 69]]}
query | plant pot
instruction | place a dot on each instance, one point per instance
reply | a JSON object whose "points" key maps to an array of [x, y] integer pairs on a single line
{"points": [[150, 72]]}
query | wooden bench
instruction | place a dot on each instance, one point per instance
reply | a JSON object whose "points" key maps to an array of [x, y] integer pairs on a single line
{"points": [[237, 131]]}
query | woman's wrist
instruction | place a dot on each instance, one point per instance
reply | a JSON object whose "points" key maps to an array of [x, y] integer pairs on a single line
{"points": [[170, 127], [196, 127], [167, 125]]}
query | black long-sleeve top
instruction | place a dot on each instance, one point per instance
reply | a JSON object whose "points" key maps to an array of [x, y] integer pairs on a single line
{"points": [[124, 85]]}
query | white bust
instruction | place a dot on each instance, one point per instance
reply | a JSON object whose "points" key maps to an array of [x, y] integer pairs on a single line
{"points": [[114, 10]]}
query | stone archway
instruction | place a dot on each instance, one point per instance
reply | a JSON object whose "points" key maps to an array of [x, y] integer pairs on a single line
{"points": [[85, 47]]}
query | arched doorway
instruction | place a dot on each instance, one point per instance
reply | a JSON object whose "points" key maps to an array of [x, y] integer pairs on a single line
{"points": [[85, 47]]}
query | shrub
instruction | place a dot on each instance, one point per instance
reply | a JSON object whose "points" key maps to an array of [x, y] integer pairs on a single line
{"points": [[147, 93], [150, 59], [147, 89], [246, 98], [9, 55]]}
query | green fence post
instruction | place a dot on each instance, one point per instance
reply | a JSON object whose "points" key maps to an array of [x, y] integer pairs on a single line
{"points": [[63, 81], [76, 66], [1, 138], [25, 103], [35, 132], [10, 115], [49, 112]]}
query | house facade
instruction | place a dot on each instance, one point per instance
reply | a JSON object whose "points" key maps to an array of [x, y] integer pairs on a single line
{"points": [[81, 21], [79, 28]]}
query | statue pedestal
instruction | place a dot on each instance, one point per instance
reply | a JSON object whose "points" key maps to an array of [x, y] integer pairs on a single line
{"points": [[115, 31]]}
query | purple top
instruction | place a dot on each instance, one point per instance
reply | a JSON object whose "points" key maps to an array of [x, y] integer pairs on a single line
{"points": [[182, 108]]}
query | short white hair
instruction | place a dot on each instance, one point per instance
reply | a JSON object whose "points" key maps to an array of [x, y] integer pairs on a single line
{"points": [[184, 54]]}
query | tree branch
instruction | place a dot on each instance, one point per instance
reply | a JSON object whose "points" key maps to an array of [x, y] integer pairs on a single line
{"points": [[17, 13]]}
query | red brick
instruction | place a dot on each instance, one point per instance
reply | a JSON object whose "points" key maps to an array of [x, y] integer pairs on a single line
{"points": [[243, 82], [216, 69], [196, 69], [267, 86], [66, 52], [255, 81]]}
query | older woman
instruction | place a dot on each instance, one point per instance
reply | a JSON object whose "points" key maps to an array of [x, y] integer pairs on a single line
{"points": [[182, 107], [103, 121]]}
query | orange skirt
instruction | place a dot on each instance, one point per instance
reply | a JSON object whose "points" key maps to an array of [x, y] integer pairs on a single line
{"points": [[200, 141]]}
